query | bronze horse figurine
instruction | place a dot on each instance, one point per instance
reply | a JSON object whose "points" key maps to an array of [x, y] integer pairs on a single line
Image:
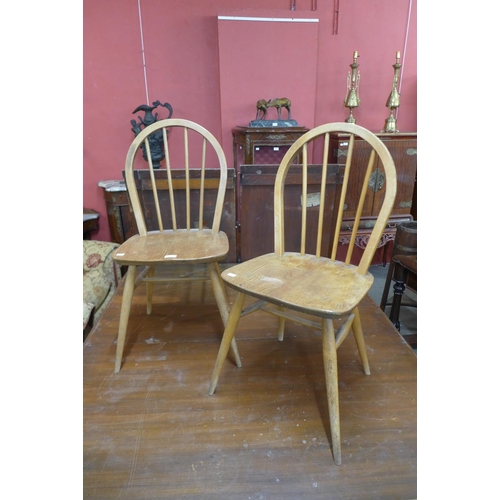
{"points": [[280, 103], [261, 106]]}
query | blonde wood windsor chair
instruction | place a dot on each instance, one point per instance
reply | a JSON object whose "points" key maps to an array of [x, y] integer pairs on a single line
{"points": [[304, 283], [175, 246]]}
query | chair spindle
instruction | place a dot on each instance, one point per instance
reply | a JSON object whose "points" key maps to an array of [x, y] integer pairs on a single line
{"points": [[169, 177], [202, 183], [304, 200], [153, 185], [361, 204], [342, 197], [188, 201], [322, 194]]}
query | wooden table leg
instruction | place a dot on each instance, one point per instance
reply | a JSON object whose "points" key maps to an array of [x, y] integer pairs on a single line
{"points": [[399, 288]]}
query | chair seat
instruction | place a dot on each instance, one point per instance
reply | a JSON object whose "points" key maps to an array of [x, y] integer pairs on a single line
{"points": [[407, 261], [182, 245], [305, 283]]}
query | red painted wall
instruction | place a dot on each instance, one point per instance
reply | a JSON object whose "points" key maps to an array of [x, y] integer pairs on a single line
{"points": [[182, 67], [274, 68]]}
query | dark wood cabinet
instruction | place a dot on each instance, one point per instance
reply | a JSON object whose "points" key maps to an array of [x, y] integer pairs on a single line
{"points": [[403, 148], [263, 146], [120, 217], [257, 218], [90, 222]]}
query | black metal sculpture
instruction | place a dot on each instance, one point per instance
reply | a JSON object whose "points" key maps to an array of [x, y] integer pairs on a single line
{"points": [[156, 139]]}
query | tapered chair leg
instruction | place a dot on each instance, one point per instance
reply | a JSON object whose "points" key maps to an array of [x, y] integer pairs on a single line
{"points": [[332, 390], [281, 326], [360, 341], [387, 285], [128, 293], [227, 339], [222, 304], [149, 290]]}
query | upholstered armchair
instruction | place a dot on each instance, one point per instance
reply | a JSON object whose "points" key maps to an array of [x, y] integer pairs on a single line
{"points": [[100, 279]]}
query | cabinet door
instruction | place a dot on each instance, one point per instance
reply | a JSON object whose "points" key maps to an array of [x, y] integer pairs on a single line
{"points": [[257, 209], [360, 158], [404, 154], [403, 148], [120, 217]]}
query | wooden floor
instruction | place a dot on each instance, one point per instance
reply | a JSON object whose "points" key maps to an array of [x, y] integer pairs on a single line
{"points": [[152, 432]]}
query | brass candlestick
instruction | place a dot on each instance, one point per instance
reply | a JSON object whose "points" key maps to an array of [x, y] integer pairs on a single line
{"points": [[352, 99], [393, 99]]}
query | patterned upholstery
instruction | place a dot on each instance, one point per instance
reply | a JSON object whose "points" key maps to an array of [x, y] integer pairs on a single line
{"points": [[100, 279]]}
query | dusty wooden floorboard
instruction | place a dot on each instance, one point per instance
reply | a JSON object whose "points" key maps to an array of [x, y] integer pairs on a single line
{"points": [[152, 432]]}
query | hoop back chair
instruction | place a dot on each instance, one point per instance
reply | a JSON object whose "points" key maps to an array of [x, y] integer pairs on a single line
{"points": [[183, 242], [289, 284]]}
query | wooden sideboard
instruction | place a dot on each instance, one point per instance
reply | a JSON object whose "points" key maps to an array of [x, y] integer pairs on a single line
{"points": [[263, 145], [257, 220], [120, 216], [258, 146], [90, 222], [403, 149]]}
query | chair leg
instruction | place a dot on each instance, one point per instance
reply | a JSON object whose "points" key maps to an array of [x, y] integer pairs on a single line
{"points": [[222, 303], [332, 390], [281, 326], [227, 339], [149, 291], [387, 285], [360, 341], [128, 293], [399, 288]]}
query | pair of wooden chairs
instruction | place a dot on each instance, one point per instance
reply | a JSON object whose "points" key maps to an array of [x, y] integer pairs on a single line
{"points": [[286, 284]]}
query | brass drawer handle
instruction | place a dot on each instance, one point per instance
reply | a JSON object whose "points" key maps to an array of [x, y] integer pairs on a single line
{"points": [[377, 180]]}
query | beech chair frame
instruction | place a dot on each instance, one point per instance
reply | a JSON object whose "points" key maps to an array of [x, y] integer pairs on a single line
{"points": [[176, 245], [291, 284]]}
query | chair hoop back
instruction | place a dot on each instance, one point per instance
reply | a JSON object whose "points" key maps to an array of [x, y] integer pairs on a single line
{"points": [[390, 187], [158, 132]]}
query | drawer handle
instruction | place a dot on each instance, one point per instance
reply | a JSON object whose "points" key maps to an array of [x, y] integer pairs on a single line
{"points": [[377, 180]]}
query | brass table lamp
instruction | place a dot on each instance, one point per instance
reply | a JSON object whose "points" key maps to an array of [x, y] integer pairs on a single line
{"points": [[352, 99], [393, 99]]}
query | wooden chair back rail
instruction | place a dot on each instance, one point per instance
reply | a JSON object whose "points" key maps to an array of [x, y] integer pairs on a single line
{"points": [[390, 186], [173, 184], [178, 184]]}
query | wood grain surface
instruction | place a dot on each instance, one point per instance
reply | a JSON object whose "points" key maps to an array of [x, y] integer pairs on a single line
{"points": [[152, 432]]}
